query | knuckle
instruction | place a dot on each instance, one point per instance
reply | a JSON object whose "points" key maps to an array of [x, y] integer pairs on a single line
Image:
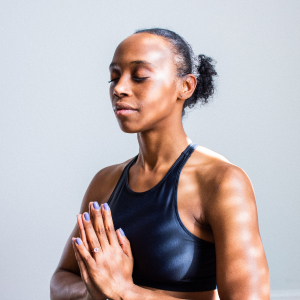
{"points": [[107, 215], [96, 212], [88, 258], [115, 253], [95, 241], [110, 228], [88, 225], [100, 231]]}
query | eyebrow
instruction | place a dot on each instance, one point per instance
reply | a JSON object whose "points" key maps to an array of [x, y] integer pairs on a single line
{"points": [[135, 62]]}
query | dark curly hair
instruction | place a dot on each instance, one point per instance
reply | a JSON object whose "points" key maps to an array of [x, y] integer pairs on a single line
{"points": [[187, 63]]}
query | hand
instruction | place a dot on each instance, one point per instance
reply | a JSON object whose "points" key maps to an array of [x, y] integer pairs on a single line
{"points": [[111, 267], [92, 291]]}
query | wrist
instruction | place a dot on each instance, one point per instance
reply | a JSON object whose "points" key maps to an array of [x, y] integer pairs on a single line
{"points": [[129, 292], [89, 297]]}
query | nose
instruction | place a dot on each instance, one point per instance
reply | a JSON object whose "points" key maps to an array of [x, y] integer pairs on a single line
{"points": [[122, 87]]}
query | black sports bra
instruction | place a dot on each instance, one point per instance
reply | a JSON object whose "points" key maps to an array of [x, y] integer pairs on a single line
{"points": [[166, 254]]}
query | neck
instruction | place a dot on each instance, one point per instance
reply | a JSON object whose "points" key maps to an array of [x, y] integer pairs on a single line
{"points": [[161, 146]]}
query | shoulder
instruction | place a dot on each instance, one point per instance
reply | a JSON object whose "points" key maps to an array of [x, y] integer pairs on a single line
{"points": [[230, 210], [103, 184], [224, 183]]}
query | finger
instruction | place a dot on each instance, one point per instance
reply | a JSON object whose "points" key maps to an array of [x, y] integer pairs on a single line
{"points": [[98, 224], [84, 254], [109, 225], [83, 270], [92, 215], [90, 234], [124, 242], [82, 232]]}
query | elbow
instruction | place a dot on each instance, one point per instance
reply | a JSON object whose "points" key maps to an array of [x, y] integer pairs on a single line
{"points": [[55, 282], [53, 286], [66, 285]]}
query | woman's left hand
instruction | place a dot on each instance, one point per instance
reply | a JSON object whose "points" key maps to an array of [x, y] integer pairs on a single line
{"points": [[111, 267]]}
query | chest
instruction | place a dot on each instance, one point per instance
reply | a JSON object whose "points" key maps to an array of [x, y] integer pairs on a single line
{"points": [[190, 198], [163, 248], [164, 245]]}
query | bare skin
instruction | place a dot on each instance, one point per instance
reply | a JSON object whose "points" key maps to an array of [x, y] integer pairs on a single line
{"points": [[216, 200]]}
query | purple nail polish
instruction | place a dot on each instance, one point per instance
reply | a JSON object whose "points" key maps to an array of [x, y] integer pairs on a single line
{"points": [[78, 241], [96, 205], [86, 216], [121, 231], [106, 207]]}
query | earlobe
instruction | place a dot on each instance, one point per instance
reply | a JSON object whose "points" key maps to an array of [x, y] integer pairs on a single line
{"points": [[184, 89], [182, 96]]}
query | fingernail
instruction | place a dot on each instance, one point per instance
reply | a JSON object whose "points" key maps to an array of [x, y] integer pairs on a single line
{"points": [[121, 231], [96, 205], [106, 207], [86, 216], [78, 241]]}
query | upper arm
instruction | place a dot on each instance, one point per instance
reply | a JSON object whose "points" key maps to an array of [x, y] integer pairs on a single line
{"points": [[242, 270], [99, 190]]}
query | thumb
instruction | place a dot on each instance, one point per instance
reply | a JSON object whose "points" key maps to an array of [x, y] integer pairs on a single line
{"points": [[124, 243]]}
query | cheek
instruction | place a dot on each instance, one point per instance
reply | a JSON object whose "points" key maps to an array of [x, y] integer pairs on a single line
{"points": [[158, 95], [156, 103]]}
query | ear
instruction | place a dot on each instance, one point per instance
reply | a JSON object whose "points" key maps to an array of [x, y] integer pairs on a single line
{"points": [[188, 86]]}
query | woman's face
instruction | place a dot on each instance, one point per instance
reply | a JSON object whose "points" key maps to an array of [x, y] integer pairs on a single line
{"points": [[143, 75]]}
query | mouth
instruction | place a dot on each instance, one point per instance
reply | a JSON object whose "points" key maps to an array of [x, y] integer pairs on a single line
{"points": [[124, 111]]}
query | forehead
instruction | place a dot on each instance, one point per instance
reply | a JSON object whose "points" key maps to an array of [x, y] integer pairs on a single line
{"points": [[143, 47]]}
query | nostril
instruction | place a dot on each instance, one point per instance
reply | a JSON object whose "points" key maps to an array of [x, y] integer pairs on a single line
{"points": [[115, 94]]}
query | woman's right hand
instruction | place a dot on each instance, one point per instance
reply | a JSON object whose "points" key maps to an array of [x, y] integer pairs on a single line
{"points": [[92, 292]]}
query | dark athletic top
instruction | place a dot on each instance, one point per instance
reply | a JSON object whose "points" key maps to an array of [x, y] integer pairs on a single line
{"points": [[166, 254]]}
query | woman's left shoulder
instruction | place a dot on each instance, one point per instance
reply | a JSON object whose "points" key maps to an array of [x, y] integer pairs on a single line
{"points": [[220, 176]]}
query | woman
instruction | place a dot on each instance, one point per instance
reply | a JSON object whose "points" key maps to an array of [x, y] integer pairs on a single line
{"points": [[188, 215]]}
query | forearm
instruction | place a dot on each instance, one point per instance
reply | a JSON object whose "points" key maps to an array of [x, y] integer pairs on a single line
{"points": [[67, 285], [136, 293]]}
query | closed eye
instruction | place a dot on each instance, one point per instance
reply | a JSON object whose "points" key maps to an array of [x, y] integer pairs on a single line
{"points": [[138, 79], [112, 80]]}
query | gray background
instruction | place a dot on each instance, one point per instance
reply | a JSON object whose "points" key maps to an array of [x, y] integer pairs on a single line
{"points": [[58, 128]]}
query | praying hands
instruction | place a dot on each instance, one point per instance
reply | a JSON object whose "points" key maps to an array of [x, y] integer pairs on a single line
{"points": [[104, 255]]}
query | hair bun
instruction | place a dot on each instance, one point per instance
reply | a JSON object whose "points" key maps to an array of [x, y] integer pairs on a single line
{"points": [[205, 85], [205, 81]]}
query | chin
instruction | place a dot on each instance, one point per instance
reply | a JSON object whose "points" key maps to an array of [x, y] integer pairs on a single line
{"points": [[130, 129], [135, 126]]}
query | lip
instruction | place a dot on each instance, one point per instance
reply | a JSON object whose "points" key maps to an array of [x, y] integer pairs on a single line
{"points": [[122, 109], [124, 112], [122, 105]]}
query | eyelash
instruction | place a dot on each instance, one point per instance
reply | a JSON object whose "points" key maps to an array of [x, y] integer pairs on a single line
{"points": [[138, 79]]}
